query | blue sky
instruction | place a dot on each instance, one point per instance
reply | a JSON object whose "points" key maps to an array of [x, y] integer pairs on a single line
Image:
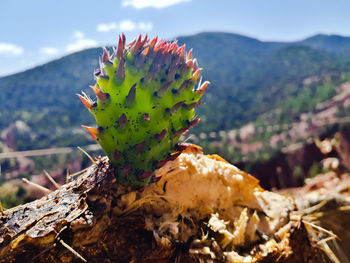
{"points": [[33, 32]]}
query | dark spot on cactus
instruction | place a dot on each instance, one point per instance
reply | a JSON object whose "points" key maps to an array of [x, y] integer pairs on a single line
{"points": [[97, 72], [108, 62], [174, 91], [177, 76], [140, 146], [142, 80], [104, 77], [167, 113], [100, 129], [164, 186], [162, 80], [94, 105]]}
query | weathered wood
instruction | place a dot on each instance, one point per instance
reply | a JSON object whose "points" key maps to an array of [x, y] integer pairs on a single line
{"points": [[95, 219]]}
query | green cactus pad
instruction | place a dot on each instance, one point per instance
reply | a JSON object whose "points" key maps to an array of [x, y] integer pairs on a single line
{"points": [[146, 97]]}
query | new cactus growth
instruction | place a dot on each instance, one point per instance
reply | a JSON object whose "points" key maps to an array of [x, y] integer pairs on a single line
{"points": [[146, 94]]}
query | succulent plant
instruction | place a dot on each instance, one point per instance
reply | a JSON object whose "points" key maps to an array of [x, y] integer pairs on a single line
{"points": [[146, 97]]}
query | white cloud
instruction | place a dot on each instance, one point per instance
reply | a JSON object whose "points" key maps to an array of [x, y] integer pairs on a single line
{"points": [[127, 25], [78, 34], [145, 26], [10, 49], [49, 50], [106, 27], [139, 4], [81, 42]]}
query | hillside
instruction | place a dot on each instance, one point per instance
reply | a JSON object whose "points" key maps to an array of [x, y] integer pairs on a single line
{"points": [[265, 83], [246, 75]]}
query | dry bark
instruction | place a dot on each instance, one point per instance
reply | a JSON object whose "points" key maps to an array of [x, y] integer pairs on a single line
{"points": [[93, 218]]}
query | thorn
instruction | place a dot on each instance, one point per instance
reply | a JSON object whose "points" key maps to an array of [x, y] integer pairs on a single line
{"points": [[181, 131], [160, 45], [189, 63], [131, 43], [144, 41], [184, 85], [196, 75], [161, 135], [120, 73], [72, 250], [173, 68], [193, 123], [140, 146], [77, 173], [149, 76], [181, 51], [146, 117], [146, 174], [87, 103], [2, 212], [93, 131], [100, 94], [120, 49], [194, 65], [164, 88], [173, 48], [67, 176], [105, 55], [124, 40], [51, 179], [136, 47], [189, 56], [116, 154], [166, 48], [174, 109], [130, 98], [194, 104], [87, 155], [145, 51], [153, 42], [122, 120], [97, 72], [203, 87], [184, 130], [41, 188]]}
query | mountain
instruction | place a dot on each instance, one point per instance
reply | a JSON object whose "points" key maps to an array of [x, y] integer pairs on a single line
{"points": [[249, 78], [330, 43]]}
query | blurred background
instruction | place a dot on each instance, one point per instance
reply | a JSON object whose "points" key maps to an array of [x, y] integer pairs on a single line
{"points": [[278, 105]]}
